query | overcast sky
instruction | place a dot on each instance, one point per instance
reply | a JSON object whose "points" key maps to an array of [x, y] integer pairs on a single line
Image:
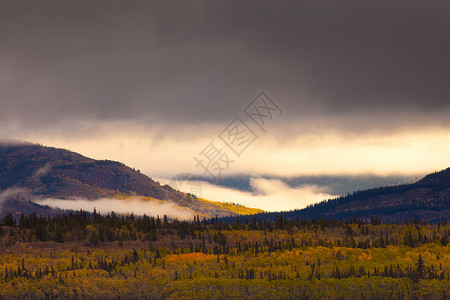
{"points": [[363, 85]]}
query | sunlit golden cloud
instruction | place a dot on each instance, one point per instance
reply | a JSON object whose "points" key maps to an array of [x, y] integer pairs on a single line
{"points": [[321, 152]]}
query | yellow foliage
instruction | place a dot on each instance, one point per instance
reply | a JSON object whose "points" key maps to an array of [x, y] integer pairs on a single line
{"points": [[363, 257], [190, 257]]}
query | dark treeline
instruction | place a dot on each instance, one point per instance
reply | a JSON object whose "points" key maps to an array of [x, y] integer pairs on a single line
{"points": [[95, 228]]}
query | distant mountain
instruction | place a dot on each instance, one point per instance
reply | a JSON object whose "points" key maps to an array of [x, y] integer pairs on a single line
{"points": [[335, 185], [426, 200], [40, 172]]}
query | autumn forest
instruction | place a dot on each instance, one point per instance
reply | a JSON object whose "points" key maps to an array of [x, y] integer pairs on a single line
{"points": [[91, 255]]}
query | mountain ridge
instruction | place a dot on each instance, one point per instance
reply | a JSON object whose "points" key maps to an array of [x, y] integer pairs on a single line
{"points": [[48, 172], [428, 199]]}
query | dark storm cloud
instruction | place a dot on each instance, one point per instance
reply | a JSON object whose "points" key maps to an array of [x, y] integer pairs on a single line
{"points": [[196, 61]]}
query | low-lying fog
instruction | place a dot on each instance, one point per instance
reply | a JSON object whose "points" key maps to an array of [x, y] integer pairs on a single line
{"points": [[136, 206], [267, 194]]}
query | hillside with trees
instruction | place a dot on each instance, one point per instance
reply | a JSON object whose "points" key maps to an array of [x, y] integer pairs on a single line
{"points": [[426, 200], [32, 171]]}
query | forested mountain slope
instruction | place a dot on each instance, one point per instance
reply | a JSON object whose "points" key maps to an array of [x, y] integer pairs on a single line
{"points": [[427, 200], [30, 171]]}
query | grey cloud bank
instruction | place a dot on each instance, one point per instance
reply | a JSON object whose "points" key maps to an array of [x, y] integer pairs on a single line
{"points": [[177, 62]]}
